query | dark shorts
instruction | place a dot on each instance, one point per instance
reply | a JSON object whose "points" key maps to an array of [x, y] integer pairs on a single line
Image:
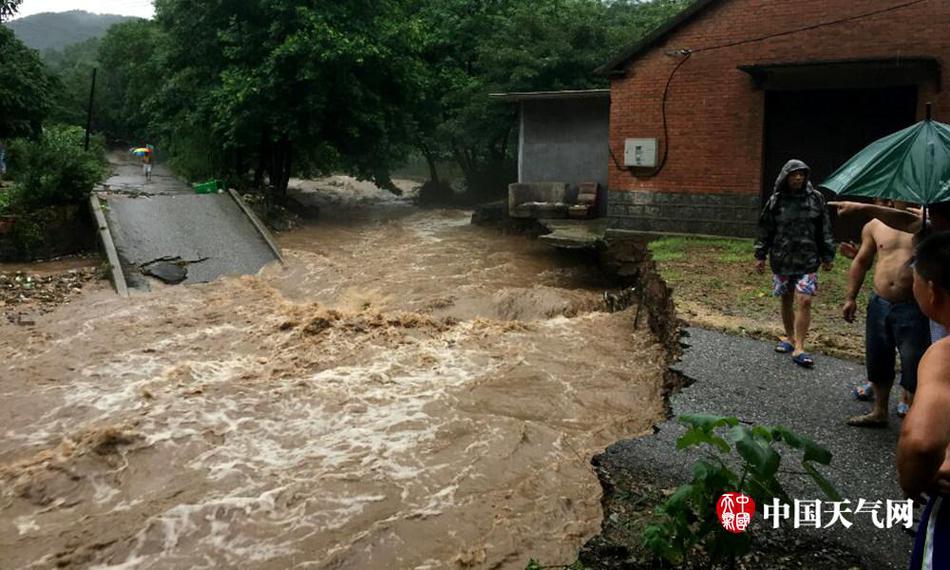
{"points": [[932, 545], [891, 327]]}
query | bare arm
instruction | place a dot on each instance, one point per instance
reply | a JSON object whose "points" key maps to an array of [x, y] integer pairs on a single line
{"points": [[859, 269], [925, 433], [898, 219]]}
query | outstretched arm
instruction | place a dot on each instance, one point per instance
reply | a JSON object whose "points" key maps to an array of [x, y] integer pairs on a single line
{"points": [[898, 219]]}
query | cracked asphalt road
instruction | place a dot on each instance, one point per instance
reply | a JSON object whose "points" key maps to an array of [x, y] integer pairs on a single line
{"points": [[745, 378]]}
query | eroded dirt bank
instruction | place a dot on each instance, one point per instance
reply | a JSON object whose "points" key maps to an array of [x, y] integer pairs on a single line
{"points": [[410, 391]]}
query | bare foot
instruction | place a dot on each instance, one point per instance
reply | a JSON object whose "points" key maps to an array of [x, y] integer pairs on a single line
{"points": [[869, 420]]}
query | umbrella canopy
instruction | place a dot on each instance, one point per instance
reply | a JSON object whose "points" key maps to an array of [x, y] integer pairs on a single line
{"points": [[141, 151], [912, 165]]}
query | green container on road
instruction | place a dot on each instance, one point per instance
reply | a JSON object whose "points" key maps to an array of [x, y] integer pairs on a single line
{"points": [[209, 187]]}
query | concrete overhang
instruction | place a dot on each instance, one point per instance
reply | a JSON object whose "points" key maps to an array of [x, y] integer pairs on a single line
{"points": [[517, 97], [844, 73]]}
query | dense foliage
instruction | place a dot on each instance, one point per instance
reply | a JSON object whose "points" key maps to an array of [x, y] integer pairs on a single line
{"points": [[8, 8], [26, 88], [258, 90], [53, 169], [73, 69]]}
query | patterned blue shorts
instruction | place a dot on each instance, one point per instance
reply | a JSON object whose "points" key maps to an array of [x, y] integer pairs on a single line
{"points": [[806, 284]]}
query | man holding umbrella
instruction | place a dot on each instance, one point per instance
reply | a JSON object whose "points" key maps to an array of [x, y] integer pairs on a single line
{"points": [[911, 165], [795, 235]]}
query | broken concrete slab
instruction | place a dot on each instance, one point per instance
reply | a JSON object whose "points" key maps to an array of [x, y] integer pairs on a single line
{"points": [[171, 272], [574, 234]]}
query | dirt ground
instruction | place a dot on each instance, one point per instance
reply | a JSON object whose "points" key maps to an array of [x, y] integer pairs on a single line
{"points": [[715, 286], [629, 505], [28, 290]]}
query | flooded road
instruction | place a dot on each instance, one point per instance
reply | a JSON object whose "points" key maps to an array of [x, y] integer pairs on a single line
{"points": [[409, 391]]}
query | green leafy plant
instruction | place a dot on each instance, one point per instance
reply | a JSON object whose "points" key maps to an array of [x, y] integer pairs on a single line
{"points": [[54, 169], [743, 458]]}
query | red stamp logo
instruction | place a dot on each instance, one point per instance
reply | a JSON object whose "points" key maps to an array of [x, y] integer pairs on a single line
{"points": [[735, 511]]}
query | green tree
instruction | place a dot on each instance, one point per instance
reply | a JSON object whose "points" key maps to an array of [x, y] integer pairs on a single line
{"points": [[8, 8], [25, 88], [476, 48], [130, 75], [72, 67], [53, 169], [285, 85]]}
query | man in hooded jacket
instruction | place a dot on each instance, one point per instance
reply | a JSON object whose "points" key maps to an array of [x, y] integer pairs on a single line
{"points": [[795, 235]]}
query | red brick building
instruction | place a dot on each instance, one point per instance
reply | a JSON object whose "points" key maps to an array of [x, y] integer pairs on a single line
{"points": [[757, 82]]}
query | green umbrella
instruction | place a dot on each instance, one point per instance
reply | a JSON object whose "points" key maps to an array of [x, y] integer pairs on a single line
{"points": [[912, 165]]}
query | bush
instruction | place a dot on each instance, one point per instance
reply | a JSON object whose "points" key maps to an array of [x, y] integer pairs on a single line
{"points": [[54, 170]]}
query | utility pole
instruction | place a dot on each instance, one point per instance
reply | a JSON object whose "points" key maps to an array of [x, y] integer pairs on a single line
{"points": [[92, 93]]}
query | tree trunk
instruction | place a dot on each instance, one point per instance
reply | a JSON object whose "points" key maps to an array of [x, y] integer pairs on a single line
{"points": [[281, 163], [433, 167], [383, 180], [262, 154], [463, 162]]}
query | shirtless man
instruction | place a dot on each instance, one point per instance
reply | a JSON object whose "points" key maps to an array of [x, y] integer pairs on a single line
{"points": [[894, 321], [922, 461], [910, 221]]}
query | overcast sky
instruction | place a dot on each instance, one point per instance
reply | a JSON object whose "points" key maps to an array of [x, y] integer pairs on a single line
{"points": [[141, 8]]}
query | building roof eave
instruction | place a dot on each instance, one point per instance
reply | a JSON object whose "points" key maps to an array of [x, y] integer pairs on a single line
{"points": [[566, 94], [615, 67]]}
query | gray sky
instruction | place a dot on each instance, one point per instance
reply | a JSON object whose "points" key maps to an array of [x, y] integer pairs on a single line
{"points": [[141, 8]]}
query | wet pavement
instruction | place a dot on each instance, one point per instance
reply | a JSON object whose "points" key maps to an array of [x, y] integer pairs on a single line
{"points": [[127, 176], [162, 221], [745, 378]]}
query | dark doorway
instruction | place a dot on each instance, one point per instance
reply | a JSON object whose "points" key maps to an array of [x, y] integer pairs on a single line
{"points": [[827, 127]]}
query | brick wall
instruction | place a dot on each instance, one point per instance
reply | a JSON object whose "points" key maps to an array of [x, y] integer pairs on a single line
{"points": [[715, 114]]}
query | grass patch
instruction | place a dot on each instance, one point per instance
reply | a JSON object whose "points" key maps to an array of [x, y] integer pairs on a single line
{"points": [[715, 286], [669, 249]]}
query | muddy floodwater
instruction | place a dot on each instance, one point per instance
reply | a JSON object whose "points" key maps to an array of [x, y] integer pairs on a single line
{"points": [[408, 391]]}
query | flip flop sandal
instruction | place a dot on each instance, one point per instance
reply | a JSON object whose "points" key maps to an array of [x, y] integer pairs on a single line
{"points": [[804, 360], [902, 409], [784, 347], [863, 392]]}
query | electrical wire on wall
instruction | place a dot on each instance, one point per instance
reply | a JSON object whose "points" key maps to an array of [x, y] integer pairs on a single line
{"points": [[687, 53]]}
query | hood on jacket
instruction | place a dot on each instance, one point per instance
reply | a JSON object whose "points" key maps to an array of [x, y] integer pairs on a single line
{"points": [[792, 166]]}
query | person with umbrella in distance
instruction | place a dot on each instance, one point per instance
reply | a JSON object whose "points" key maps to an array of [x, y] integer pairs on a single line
{"points": [[795, 236], [145, 153]]}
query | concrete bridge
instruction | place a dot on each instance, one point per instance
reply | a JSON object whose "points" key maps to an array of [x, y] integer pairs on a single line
{"points": [[160, 229]]}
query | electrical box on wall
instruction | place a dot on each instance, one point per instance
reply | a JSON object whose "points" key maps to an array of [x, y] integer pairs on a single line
{"points": [[639, 153]]}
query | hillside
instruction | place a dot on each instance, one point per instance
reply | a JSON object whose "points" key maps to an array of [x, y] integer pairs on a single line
{"points": [[57, 30]]}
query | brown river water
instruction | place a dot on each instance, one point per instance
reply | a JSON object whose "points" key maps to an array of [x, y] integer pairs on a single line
{"points": [[408, 391]]}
